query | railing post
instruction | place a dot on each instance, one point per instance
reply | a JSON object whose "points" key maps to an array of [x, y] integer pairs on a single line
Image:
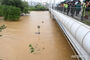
{"points": [[82, 15]]}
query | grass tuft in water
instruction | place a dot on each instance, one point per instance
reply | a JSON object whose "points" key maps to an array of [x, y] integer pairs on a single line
{"points": [[31, 48]]}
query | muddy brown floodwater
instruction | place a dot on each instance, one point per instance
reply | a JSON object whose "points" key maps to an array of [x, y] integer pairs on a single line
{"points": [[39, 30]]}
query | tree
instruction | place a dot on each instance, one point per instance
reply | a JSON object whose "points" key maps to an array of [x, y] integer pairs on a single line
{"points": [[26, 7], [13, 8], [11, 13], [1, 10], [16, 3]]}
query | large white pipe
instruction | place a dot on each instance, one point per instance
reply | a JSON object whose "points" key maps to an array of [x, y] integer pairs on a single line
{"points": [[77, 32]]}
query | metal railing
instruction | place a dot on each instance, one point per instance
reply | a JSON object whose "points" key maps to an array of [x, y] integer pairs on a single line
{"points": [[77, 33], [77, 13]]}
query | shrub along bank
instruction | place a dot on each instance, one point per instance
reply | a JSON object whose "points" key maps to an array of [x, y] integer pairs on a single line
{"points": [[10, 13], [38, 8], [11, 10], [1, 10]]}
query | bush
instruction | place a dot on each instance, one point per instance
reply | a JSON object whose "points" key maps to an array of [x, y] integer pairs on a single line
{"points": [[38, 8], [1, 10], [26, 10], [17, 3], [2, 28], [11, 13], [25, 7]]}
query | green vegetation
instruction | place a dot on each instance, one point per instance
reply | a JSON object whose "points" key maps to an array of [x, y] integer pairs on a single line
{"points": [[12, 9], [1, 10], [25, 7], [31, 48], [2, 28], [26, 10], [38, 8], [86, 22], [11, 13], [17, 3]]}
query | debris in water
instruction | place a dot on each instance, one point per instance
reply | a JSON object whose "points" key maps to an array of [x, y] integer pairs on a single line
{"points": [[43, 48], [37, 32], [0, 35], [38, 50], [42, 21], [38, 27]]}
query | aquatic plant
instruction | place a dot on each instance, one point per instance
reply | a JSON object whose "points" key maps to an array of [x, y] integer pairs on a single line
{"points": [[2, 28], [31, 48]]}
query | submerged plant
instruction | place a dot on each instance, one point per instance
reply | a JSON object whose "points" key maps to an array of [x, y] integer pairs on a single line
{"points": [[2, 28], [31, 48]]}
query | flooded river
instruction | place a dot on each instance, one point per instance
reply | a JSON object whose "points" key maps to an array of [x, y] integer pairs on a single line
{"points": [[39, 31]]}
